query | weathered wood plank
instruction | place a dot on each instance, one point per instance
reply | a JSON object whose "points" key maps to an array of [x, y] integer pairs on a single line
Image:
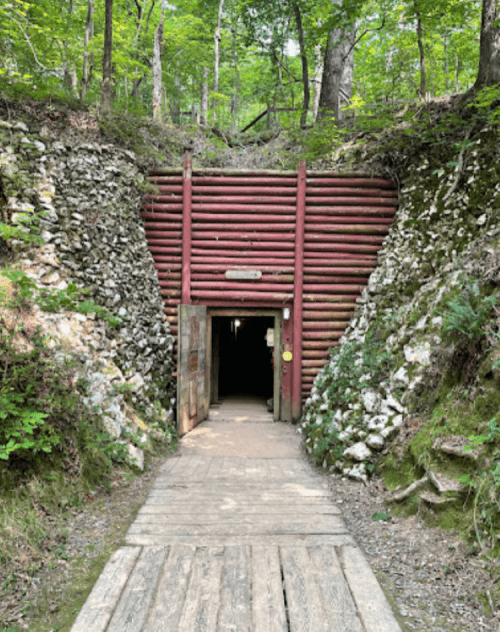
{"points": [[250, 492], [202, 599], [234, 612], [337, 602], [314, 526], [99, 607], [132, 609], [373, 608], [305, 611], [211, 515], [336, 540], [268, 605], [169, 602], [257, 468], [271, 509]]}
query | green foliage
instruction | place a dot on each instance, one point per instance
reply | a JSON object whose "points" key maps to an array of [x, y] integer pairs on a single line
{"points": [[52, 300], [467, 315], [327, 445]]}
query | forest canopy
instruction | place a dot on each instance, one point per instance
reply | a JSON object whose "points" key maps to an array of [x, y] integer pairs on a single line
{"points": [[224, 62]]}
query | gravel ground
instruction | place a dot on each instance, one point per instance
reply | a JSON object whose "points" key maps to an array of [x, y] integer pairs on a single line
{"points": [[429, 575]]}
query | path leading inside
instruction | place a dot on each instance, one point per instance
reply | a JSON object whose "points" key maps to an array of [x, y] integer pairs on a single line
{"points": [[238, 534]]}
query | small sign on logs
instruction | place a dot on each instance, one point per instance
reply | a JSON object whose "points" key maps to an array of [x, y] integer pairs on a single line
{"points": [[244, 275]]}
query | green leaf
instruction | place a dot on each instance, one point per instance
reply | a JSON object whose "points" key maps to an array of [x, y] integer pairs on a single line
{"points": [[381, 516]]}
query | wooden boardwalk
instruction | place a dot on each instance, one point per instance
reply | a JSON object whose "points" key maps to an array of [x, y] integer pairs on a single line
{"points": [[237, 544]]}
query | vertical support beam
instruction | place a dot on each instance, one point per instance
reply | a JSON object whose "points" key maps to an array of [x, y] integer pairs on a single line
{"points": [[297, 292], [187, 187], [286, 366]]}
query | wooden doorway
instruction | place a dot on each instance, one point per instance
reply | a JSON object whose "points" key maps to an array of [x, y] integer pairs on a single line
{"points": [[245, 349]]}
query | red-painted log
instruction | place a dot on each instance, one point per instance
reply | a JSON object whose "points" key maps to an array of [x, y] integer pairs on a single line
{"points": [[298, 291], [173, 250], [240, 218], [331, 272], [351, 201], [168, 266], [318, 344], [328, 315], [163, 235], [243, 296], [315, 239], [332, 230], [330, 208], [199, 236], [221, 278], [339, 259], [382, 222], [353, 248], [330, 298], [176, 189], [165, 212], [232, 245], [250, 180], [328, 278], [341, 192], [246, 205], [221, 191], [323, 335], [248, 257], [216, 268], [324, 326], [246, 286], [331, 180], [229, 263], [333, 288], [254, 229]]}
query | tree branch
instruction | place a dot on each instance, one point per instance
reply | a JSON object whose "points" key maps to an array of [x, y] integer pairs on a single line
{"points": [[28, 40]]}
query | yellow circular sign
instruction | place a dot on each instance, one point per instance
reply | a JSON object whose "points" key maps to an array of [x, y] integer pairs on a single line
{"points": [[287, 356]]}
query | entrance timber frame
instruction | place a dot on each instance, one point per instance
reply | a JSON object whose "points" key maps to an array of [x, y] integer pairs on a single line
{"points": [[301, 244]]}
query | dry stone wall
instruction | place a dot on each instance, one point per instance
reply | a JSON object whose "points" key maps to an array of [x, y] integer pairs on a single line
{"points": [[84, 200], [443, 236]]}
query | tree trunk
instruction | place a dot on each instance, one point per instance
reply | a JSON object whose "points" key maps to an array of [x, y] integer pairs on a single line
{"points": [[489, 47], [157, 79], [204, 98], [305, 69], [420, 39], [106, 92], [317, 80], [88, 60], [217, 56], [236, 84], [337, 73]]}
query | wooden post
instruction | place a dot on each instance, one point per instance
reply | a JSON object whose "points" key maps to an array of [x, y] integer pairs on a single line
{"points": [[297, 292], [187, 185]]}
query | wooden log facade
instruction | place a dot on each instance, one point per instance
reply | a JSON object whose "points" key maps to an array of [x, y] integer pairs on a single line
{"points": [[310, 239]]}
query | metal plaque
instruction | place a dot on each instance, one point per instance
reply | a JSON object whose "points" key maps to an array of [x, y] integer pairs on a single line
{"points": [[244, 275], [193, 361]]}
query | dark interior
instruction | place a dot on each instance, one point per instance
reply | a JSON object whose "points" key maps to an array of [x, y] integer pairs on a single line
{"points": [[244, 358]]}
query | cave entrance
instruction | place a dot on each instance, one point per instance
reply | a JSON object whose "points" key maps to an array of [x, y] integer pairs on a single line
{"points": [[245, 356]]}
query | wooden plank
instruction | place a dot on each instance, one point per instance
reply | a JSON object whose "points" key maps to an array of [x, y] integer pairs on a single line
{"points": [[202, 598], [251, 492], [257, 468], [241, 509], [236, 517], [132, 610], [169, 602], [234, 613], [312, 526], [268, 605], [337, 602], [99, 607], [305, 611], [336, 540], [373, 608]]}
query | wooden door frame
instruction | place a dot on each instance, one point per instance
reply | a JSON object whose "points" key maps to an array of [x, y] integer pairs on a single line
{"points": [[231, 312]]}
